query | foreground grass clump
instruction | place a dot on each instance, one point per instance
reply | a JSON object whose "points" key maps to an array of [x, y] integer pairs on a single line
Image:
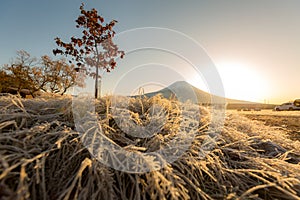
{"points": [[42, 156]]}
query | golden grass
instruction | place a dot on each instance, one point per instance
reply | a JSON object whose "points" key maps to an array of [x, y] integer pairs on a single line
{"points": [[42, 156]]}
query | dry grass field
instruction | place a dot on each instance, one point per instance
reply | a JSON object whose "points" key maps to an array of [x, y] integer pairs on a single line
{"points": [[288, 121], [42, 155]]}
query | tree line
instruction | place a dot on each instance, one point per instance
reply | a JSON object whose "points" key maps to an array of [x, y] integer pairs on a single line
{"points": [[33, 75]]}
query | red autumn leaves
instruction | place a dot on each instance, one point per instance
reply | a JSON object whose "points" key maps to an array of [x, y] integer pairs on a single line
{"points": [[95, 47]]}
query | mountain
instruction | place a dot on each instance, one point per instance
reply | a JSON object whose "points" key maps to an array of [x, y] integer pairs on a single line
{"points": [[184, 91]]}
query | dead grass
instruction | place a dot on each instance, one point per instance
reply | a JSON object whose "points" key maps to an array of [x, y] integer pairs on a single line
{"points": [[42, 156], [288, 121]]}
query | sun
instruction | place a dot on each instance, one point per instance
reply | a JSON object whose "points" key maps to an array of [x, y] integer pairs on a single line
{"points": [[242, 82]]}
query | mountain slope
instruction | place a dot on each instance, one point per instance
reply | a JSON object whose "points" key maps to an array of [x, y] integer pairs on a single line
{"points": [[184, 91]]}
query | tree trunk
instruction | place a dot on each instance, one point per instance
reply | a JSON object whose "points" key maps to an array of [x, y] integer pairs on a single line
{"points": [[96, 84]]}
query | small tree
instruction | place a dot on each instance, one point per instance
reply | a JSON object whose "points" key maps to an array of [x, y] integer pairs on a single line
{"points": [[19, 72], [56, 76], [95, 49]]}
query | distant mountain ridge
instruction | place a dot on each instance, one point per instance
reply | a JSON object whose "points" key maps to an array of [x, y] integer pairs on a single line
{"points": [[184, 91], [189, 92]]}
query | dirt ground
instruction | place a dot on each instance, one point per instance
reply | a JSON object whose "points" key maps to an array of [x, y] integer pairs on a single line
{"points": [[288, 121]]}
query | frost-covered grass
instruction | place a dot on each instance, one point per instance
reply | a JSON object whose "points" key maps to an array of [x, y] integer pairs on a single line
{"points": [[42, 155]]}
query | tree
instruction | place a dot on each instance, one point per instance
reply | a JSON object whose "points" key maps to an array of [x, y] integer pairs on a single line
{"points": [[19, 74], [45, 74], [56, 76], [95, 49], [5, 81]]}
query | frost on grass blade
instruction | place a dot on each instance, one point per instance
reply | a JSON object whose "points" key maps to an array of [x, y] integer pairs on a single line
{"points": [[155, 116]]}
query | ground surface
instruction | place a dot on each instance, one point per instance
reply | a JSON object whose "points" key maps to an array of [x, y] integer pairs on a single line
{"points": [[288, 121], [51, 149]]}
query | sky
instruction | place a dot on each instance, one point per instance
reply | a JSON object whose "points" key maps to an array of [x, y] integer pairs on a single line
{"points": [[249, 48]]}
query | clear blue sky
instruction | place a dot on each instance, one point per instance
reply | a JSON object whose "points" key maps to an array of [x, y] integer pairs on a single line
{"points": [[255, 44]]}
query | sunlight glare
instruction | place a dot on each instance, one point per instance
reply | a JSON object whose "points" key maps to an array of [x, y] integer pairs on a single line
{"points": [[241, 82]]}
